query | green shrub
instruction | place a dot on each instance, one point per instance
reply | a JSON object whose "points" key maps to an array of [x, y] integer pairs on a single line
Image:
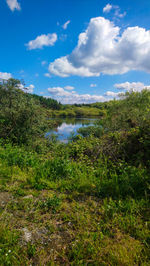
{"points": [[18, 156], [125, 181], [54, 169]]}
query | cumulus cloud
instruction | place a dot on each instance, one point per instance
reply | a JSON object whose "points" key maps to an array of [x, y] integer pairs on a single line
{"points": [[42, 40], [113, 94], [13, 4], [102, 49], [69, 88], [28, 89], [132, 86], [93, 85], [127, 87], [107, 8], [68, 95], [66, 24], [5, 75], [63, 67], [59, 92], [71, 97]]}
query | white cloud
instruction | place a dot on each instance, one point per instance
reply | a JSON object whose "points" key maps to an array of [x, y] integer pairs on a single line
{"points": [[64, 68], [93, 85], [28, 89], [47, 75], [127, 86], [107, 8], [13, 4], [120, 15], [66, 24], [59, 92], [21, 86], [102, 49], [112, 94], [42, 40], [5, 75], [132, 86], [69, 88], [71, 97]]}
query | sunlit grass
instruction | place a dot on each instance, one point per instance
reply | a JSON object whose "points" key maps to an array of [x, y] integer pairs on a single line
{"points": [[74, 212]]}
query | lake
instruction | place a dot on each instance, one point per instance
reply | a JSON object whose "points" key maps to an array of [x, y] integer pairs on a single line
{"points": [[69, 126]]}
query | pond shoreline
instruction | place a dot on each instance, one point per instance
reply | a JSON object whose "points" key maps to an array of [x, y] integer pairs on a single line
{"points": [[69, 127]]}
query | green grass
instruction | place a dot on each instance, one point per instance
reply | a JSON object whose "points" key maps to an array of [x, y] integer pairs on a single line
{"points": [[76, 211]]}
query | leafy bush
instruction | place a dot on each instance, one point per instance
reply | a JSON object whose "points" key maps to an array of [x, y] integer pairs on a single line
{"points": [[18, 156], [21, 119], [54, 169], [125, 181]]}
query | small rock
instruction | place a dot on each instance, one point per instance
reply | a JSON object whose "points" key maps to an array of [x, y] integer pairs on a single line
{"points": [[28, 197], [27, 234]]}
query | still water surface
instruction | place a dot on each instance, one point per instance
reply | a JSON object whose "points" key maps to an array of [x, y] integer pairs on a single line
{"points": [[70, 126]]}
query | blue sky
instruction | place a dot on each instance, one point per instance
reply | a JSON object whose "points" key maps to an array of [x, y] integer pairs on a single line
{"points": [[76, 51]]}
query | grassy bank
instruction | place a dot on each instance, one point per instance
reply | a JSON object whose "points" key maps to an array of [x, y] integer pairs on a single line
{"points": [[71, 210]]}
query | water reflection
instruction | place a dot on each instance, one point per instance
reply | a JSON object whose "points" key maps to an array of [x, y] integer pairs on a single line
{"points": [[70, 126]]}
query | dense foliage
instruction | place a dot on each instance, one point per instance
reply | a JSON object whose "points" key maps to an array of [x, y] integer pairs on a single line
{"points": [[82, 203], [21, 118], [46, 102]]}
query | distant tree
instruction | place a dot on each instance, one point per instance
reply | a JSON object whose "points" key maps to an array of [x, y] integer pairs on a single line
{"points": [[46, 102]]}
